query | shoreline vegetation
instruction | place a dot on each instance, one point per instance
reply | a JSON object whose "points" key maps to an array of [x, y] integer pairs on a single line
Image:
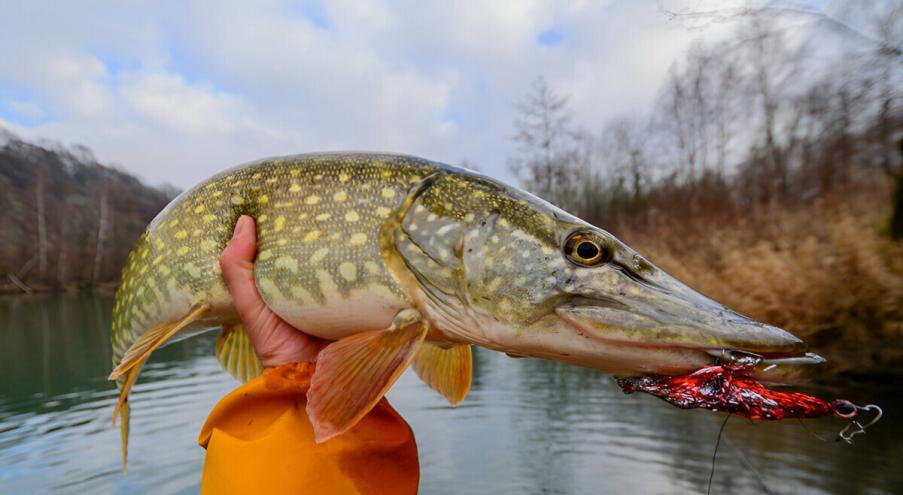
{"points": [[66, 221]]}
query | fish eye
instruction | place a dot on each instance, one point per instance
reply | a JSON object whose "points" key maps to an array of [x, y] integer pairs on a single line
{"points": [[586, 249]]}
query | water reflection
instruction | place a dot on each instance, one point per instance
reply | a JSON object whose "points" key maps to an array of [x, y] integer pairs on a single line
{"points": [[529, 426]]}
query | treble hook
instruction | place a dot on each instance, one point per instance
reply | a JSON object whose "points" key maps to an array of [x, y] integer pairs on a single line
{"points": [[854, 427]]}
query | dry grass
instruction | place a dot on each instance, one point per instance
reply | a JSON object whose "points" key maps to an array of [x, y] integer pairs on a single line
{"points": [[823, 270]]}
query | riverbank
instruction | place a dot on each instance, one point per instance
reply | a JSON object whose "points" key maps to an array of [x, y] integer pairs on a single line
{"points": [[824, 269]]}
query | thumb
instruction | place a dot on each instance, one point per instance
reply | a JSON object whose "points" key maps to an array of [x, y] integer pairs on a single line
{"points": [[236, 262]]}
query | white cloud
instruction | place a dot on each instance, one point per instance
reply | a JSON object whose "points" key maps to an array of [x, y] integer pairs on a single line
{"points": [[176, 92], [168, 101]]}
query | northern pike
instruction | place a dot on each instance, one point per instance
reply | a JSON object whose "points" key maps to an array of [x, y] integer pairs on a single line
{"points": [[403, 261]]}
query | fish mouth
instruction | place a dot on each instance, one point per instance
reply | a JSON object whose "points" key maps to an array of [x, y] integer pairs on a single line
{"points": [[665, 339]]}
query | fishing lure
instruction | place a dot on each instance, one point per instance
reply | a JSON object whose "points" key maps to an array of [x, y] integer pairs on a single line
{"points": [[726, 388]]}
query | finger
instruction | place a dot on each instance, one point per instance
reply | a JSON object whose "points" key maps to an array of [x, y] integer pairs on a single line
{"points": [[236, 262]]}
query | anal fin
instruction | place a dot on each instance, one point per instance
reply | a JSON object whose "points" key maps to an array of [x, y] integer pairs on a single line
{"points": [[448, 371], [354, 373], [236, 353]]}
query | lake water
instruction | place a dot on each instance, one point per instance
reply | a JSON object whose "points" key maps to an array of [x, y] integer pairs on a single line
{"points": [[528, 426]]}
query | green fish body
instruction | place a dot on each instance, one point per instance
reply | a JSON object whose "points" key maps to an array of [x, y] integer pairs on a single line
{"points": [[402, 260]]}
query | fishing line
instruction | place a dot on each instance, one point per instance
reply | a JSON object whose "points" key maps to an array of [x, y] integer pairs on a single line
{"points": [[715, 454], [746, 462]]}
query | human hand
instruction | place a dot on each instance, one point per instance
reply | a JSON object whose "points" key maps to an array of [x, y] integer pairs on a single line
{"points": [[275, 341]]}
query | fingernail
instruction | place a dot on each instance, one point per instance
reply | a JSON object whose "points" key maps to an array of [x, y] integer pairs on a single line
{"points": [[238, 226]]}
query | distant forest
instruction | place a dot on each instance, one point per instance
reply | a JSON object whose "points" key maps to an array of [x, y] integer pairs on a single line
{"points": [[67, 221]]}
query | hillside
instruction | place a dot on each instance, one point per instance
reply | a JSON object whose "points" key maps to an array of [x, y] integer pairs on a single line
{"points": [[66, 221]]}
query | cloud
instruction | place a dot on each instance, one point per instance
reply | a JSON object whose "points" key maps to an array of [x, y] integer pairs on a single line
{"points": [[176, 92], [168, 101]]}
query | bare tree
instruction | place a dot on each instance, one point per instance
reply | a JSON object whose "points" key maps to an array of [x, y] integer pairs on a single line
{"points": [[549, 147], [41, 220], [103, 221]]}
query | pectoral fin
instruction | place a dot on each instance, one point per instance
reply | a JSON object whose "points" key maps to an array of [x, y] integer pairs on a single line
{"points": [[236, 354], [354, 373], [446, 370]]}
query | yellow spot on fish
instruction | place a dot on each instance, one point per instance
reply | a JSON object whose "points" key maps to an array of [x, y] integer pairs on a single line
{"points": [[279, 223], [358, 239], [431, 217], [267, 286], [318, 255], [348, 271], [371, 267], [295, 187], [503, 223], [323, 216], [217, 194], [263, 199], [209, 218], [340, 196], [383, 211], [295, 172], [192, 270], [312, 199], [199, 209], [287, 263], [265, 255], [388, 193], [282, 242], [158, 259], [352, 216], [311, 236], [468, 217], [262, 218], [208, 244], [237, 200], [494, 284], [182, 251], [165, 270], [159, 243], [344, 178], [181, 234], [174, 223]]}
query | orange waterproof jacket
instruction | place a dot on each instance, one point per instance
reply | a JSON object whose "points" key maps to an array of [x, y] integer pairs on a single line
{"points": [[260, 440]]}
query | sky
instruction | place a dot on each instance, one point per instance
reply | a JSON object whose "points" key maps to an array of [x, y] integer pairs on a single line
{"points": [[176, 91]]}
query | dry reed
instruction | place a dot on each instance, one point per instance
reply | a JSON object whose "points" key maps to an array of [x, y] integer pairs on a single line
{"points": [[823, 270]]}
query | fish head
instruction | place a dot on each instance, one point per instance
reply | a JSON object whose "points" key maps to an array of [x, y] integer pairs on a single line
{"points": [[514, 273]]}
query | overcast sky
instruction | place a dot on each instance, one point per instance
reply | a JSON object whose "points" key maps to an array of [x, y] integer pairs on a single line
{"points": [[174, 91]]}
